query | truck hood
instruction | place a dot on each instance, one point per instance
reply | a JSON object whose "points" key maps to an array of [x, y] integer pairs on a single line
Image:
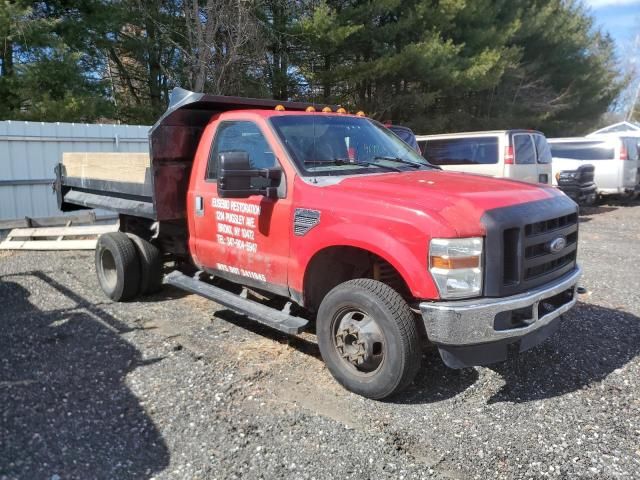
{"points": [[460, 199]]}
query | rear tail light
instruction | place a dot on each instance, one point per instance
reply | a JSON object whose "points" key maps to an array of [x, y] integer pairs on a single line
{"points": [[508, 155], [624, 155]]}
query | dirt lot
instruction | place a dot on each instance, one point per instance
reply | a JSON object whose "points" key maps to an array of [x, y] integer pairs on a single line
{"points": [[172, 387]]}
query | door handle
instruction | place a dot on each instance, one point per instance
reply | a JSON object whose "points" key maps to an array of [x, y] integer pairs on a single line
{"points": [[199, 205]]}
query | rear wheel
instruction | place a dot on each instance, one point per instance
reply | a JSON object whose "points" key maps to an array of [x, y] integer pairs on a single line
{"points": [[150, 265], [117, 266], [368, 338]]}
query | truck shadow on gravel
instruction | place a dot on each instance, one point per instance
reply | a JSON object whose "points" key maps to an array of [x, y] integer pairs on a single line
{"points": [[587, 213], [592, 343], [434, 382], [64, 405]]}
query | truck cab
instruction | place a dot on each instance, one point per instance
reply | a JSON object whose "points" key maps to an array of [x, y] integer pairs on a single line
{"points": [[345, 227]]}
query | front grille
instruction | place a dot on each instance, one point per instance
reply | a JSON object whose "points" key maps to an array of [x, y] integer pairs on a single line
{"points": [[539, 260], [527, 250], [587, 173], [519, 241], [550, 225]]}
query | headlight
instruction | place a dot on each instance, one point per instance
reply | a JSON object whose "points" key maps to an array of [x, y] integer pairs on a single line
{"points": [[568, 174], [456, 266]]}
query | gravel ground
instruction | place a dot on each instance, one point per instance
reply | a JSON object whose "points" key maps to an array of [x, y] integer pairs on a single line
{"points": [[173, 387]]}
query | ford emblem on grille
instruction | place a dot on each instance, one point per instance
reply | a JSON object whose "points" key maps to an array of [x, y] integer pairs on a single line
{"points": [[557, 245]]}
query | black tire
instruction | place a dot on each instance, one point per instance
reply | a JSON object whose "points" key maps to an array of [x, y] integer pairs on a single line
{"points": [[117, 266], [150, 265], [395, 325]]}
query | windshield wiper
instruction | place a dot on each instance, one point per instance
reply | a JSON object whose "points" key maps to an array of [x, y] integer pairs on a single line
{"points": [[346, 161], [397, 159], [409, 162]]}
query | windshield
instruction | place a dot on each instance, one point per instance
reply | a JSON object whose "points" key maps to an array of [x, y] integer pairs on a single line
{"points": [[332, 145]]}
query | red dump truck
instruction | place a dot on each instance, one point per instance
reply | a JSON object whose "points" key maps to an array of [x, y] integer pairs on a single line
{"points": [[304, 219]]}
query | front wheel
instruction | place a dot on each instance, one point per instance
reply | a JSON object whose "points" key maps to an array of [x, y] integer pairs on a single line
{"points": [[368, 338]]}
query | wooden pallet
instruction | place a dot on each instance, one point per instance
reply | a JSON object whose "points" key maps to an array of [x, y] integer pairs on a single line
{"points": [[55, 238], [82, 217]]}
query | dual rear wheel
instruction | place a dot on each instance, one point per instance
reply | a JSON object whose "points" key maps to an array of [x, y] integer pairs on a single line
{"points": [[127, 266]]}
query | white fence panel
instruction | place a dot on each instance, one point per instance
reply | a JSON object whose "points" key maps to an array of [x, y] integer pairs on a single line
{"points": [[29, 152]]}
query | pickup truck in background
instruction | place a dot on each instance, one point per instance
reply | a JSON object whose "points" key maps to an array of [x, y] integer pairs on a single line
{"points": [[406, 135], [303, 219], [576, 180]]}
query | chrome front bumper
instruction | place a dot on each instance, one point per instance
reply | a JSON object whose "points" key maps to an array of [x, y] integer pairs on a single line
{"points": [[472, 322]]}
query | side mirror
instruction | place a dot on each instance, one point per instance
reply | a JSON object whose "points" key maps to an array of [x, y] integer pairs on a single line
{"points": [[235, 174]]}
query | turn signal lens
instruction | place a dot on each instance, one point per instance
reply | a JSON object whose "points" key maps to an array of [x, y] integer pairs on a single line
{"points": [[310, 109], [455, 262], [279, 108]]}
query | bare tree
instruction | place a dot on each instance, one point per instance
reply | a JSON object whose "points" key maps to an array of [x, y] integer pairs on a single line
{"points": [[221, 36]]}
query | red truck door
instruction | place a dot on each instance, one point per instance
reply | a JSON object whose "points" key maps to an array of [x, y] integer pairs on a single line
{"points": [[245, 238]]}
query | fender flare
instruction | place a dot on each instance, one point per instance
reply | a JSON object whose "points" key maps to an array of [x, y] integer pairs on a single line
{"points": [[411, 268]]}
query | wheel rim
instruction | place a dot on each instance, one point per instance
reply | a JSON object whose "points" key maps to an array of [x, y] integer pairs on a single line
{"points": [[109, 270], [358, 340]]}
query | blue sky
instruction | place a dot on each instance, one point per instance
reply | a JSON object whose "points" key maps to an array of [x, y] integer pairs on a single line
{"points": [[621, 18]]}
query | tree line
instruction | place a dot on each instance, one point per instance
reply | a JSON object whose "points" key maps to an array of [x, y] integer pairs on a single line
{"points": [[435, 65]]}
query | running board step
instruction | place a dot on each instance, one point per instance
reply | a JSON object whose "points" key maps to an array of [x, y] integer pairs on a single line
{"points": [[254, 310]]}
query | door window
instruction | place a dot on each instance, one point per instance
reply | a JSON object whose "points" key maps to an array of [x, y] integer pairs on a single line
{"points": [[524, 150], [243, 136], [542, 149]]}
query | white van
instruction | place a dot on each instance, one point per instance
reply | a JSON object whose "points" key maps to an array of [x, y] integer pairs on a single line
{"points": [[516, 154], [615, 160]]}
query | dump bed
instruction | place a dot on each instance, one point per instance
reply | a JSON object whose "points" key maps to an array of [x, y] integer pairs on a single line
{"points": [[151, 185], [113, 181]]}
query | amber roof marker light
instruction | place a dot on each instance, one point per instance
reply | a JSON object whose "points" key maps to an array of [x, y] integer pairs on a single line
{"points": [[360, 113], [310, 108], [341, 110], [327, 110], [279, 108]]}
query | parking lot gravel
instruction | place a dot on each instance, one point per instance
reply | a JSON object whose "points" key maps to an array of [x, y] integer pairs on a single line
{"points": [[174, 386]]}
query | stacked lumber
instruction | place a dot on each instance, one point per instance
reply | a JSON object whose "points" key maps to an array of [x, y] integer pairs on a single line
{"points": [[127, 167]]}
